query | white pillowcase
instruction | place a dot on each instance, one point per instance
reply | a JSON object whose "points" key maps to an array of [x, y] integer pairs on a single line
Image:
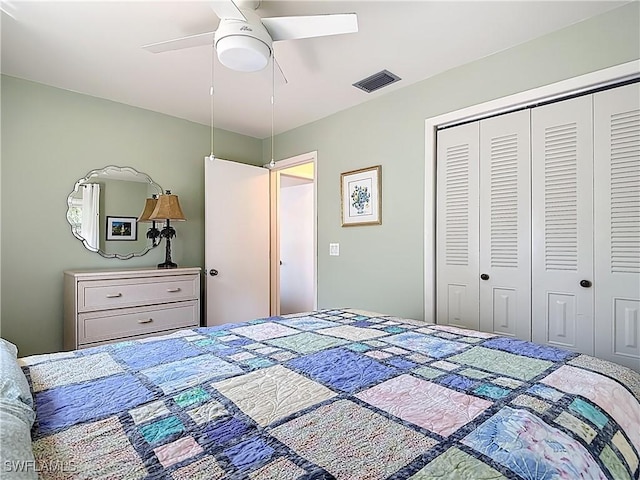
{"points": [[16, 418]]}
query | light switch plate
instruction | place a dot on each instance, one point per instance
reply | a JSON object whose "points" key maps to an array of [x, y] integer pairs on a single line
{"points": [[334, 249]]}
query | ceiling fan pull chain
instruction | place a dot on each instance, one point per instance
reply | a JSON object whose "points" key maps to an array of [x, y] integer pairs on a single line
{"points": [[272, 163], [211, 92]]}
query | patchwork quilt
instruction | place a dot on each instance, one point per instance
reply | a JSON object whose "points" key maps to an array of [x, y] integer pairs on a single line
{"points": [[333, 394]]}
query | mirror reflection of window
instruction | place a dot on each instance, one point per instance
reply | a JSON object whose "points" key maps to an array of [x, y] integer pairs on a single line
{"points": [[74, 215], [90, 228]]}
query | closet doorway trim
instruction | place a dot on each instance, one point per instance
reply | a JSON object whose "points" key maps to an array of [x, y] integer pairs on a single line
{"points": [[511, 102]]}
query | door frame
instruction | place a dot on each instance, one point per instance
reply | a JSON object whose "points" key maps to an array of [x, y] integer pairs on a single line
{"points": [[274, 214], [506, 104]]}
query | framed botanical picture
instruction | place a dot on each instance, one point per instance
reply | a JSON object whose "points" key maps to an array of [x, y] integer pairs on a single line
{"points": [[361, 192], [122, 228]]}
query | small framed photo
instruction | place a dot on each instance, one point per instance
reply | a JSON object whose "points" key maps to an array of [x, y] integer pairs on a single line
{"points": [[122, 228], [361, 192]]}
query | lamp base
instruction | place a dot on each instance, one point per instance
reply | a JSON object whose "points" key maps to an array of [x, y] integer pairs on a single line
{"points": [[167, 264], [167, 232]]}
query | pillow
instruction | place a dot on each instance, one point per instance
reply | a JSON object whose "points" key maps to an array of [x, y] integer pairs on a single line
{"points": [[16, 418]]}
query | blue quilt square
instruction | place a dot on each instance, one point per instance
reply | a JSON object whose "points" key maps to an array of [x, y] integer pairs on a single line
{"points": [[174, 376], [308, 323], [101, 348], [257, 321], [368, 319], [240, 342], [249, 453], [145, 355], [358, 347], [521, 347], [254, 322], [492, 391], [223, 432], [227, 352], [362, 323], [258, 362], [426, 344], [223, 332], [401, 363], [156, 432], [349, 371], [214, 346], [546, 392], [395, 330], [191, 397], [590, 412], [69, 405], [218, 330], [457, 381]]}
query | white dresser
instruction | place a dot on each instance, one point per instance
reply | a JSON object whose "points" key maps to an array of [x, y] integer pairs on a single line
{"points": [[105, 306]]}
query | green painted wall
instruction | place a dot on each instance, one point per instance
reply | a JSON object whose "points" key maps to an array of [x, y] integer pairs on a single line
{"points": [[50, 139], [380, 268]]}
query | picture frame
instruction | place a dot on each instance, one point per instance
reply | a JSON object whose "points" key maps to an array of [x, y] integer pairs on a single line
{"points": [[122, 228], [361, 196]]}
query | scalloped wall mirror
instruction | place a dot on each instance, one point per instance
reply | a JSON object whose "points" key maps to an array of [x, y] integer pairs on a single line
{"points": [[103, 209]]}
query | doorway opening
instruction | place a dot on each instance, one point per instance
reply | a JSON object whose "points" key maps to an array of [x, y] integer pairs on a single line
{"points": [[293, 235]]}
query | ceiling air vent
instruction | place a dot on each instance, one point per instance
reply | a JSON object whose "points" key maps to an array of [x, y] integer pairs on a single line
{"points": [[377, 81]]}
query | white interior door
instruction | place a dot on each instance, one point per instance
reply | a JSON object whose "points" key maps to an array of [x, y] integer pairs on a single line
{"points": [[457, 226], [562, 224], [617, 224], [236, 241], [505, 225]]}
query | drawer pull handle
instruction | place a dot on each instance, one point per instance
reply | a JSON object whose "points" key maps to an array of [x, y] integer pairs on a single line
{"points": [[147, 320], [114, 295], [173, 290]]}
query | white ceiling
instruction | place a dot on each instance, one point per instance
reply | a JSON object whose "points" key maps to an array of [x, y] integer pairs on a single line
{"points": [[93, 48]]}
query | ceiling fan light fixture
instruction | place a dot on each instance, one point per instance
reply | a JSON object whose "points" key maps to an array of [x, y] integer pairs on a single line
{"points": [[243, 53]]}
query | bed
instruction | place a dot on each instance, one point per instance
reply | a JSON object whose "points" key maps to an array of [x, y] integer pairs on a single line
{"points": [[329, 394]]}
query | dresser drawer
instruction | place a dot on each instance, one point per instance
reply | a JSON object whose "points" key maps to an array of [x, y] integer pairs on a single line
{"points": [[105, 294], [114, 325]]}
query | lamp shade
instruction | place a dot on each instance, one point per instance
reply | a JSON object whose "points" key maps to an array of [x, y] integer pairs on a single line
{"points": [[149, 207], [167, 208]]}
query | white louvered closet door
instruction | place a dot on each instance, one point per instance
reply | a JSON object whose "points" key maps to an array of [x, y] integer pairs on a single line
{"points": [[562, 224], [617, 224], [505, 225], [457, 226]]}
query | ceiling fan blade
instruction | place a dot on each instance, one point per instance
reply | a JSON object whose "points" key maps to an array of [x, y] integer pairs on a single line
{"points": [[228, 10], [291, 28], [180, 43]]}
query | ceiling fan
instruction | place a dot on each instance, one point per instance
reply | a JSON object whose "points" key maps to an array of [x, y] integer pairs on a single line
{"points": [[243, 40]]}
